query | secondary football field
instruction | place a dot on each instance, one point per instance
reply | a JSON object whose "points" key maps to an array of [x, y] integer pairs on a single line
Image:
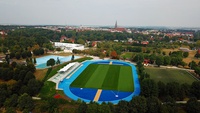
{"points": [[107, 77], [169, 75]]}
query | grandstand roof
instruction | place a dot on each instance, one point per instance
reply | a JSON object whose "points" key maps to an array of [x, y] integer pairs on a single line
{"points": [[67, 67]]}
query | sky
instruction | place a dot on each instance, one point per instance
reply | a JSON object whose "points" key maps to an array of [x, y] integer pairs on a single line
{"points": [[169, 13]]}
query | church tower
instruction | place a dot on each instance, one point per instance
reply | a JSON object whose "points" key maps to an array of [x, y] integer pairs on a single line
{"points": [[116, 24]]}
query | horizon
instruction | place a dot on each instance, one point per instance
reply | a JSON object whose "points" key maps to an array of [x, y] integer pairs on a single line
{"points": [[170, 13]]}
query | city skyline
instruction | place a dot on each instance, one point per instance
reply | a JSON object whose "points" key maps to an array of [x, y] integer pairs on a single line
{"points": [[170, 13]]}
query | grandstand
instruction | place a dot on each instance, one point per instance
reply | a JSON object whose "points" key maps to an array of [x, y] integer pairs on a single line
{"points": [[65, 72]]}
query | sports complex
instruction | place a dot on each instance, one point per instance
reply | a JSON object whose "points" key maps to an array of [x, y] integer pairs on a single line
{"points": [[98, 80]]}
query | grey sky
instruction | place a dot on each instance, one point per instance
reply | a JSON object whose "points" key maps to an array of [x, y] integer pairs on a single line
{"points": [[176, 13]]}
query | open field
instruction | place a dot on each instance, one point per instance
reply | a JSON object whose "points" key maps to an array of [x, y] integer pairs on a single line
{"points": [[104, 76], [169, 75], [127, 55], [186, 60]]}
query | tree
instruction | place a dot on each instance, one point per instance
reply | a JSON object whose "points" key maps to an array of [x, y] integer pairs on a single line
{"points": [[24, 54], [185, 54], [167, 60], [29, 76], [17, 55], [51, 62], [149, 88], [34, 60], [140, 67], [82, 108], [3, 93], [153, 105], [161, 89], [13, 64], [33, 86], [12, 55], [29, 54], [104, 108], [152, 58], [58, 60], [184, 91], [197, 70], [193, 106], [173, 89], [25, 102], [7, 58], [122, 107], [80, 41], [169, 105], [176, 60], [195, 89], [192, 65], [72, 58], [52, 105], [23, 89], [138, 104], [21, 75], [159, 60], [31, 67], [92, 107], [198, 43], [138, 57], [113, 55], [12, 101]]}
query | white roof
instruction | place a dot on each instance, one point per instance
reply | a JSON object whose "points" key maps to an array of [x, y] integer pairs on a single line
{"points": [[67, 67]]}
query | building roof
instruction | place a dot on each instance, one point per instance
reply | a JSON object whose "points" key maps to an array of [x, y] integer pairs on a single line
{"points": [[67, 67]]}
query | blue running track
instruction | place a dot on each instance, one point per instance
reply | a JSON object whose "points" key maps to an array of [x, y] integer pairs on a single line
{"points": [[88, 94]]}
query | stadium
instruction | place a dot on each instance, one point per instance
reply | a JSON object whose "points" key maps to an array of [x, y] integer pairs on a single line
{"points": [[98, 80]]}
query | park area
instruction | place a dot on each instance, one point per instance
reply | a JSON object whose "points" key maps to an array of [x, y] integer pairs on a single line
{"points": [[108, 77], [170, 75]]}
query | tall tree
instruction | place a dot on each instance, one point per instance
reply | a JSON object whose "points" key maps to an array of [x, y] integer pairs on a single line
{"points": [[12, 101], [51, 62], [172, 89], [193, 106], [25, 102], [167, 60], [153, 105], [113, 55], [149, 88], [122, 107], [195, 89], [138, 104], [161, 89], [82, 108], [72, 57], [159, 60]]}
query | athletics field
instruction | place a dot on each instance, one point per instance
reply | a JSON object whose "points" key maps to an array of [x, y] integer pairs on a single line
{"points": [[106, 76]]}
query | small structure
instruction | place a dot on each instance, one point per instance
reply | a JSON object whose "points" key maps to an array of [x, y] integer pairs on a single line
{"points": [[146, 62], [68, 47], [184, 49], [65, 72]]}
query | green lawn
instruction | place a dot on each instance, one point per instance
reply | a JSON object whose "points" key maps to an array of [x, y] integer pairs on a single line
{"points": [[127, 55], [169, 75], [102, 76]]}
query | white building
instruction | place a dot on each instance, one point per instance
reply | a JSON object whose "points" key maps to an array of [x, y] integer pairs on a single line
{"points": [[68, 47]]}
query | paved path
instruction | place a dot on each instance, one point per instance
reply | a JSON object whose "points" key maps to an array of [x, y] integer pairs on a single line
{"points": [[96, 98]]}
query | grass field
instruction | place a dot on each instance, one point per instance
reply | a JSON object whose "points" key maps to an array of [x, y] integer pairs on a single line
{"points": [[102, 76], [169, 75]]}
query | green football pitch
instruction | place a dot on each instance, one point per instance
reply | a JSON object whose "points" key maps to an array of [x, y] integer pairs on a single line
{"points": [[105, 76], [169, 75]]}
